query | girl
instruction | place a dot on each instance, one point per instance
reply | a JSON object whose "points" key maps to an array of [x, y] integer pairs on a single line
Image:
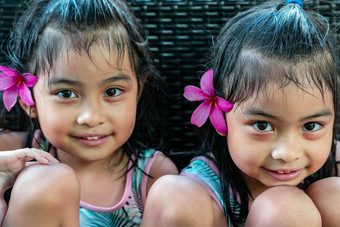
{"points": [[92, 82], [271, 157]]}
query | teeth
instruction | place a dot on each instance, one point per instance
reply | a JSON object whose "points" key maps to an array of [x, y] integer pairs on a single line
{"points": [[281, 172], [92, 138]]}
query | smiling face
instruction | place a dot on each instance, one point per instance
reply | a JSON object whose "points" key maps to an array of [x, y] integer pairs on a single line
{"points": [[281, 136], [87, 106]]}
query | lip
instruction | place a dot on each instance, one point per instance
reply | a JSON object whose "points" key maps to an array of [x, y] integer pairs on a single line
{"points": [[284, 174], [91, 140]]}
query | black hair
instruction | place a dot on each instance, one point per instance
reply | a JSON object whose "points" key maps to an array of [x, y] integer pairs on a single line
{"points": [[266, 44], [48, 28]]}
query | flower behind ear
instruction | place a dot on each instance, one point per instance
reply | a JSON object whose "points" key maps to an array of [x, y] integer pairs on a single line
{"points": [[13, 83], [212, 105]]}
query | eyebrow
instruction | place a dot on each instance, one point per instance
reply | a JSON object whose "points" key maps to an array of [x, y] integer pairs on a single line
{"points": [[64, 80], [253, 111], [259, 112]]}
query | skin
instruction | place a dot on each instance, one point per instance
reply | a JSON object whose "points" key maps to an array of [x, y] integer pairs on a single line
{"points": [[91, 105]]}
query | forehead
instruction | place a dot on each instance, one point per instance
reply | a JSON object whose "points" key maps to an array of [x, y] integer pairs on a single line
{"points": [[97, 59], [56, 45], [253, 72], [290, 99]]}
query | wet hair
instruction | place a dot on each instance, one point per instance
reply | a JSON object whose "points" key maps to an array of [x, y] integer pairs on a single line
{"points": [[49, 29], [269, 44]]}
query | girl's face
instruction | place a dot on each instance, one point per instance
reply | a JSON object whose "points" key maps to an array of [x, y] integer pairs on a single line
{"points": [[87, 107], [281, 136]]}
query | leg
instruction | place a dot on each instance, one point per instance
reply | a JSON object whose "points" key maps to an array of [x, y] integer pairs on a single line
{"points": [[325, 194], [283, 206], [44, 195], [178, 201]]}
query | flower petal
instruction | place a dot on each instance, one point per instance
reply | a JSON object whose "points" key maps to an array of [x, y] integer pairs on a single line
{"points": [[224, 105], [9, 72], [10, 97], [6, 81], [201, 114], [217, 120], [206, 83], [193, 93], [30, 79], [25, 95]]}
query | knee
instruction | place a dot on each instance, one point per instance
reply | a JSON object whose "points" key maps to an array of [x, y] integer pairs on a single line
{"points": [[325, 194], [286, 205], [45, 185], [328, 188], [178, 201]]}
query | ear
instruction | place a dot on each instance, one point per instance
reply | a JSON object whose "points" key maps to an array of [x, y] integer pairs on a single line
{"points": [[221, 134], [30, 110]]}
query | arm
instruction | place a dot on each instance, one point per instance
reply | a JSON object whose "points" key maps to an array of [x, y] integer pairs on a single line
{"points": [[11, 140], [179, 201], [160, 167]]}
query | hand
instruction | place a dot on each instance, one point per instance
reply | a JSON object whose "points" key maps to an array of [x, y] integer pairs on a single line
{"points": [[12, 162]]}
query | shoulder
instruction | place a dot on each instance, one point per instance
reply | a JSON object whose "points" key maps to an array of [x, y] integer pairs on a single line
{"points": [[161, 166], [184, 201], [11, 140]]}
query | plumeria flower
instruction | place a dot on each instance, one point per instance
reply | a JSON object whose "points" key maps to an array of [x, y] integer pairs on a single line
{"points": [[13, 83], [212, 105]]}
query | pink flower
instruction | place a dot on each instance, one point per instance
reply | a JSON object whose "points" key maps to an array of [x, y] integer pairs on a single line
{"points": [[212, 107], [13, 83]]}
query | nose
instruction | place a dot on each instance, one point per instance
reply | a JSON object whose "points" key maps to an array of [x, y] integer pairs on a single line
{"points": [[288, 149], [91, 114]]}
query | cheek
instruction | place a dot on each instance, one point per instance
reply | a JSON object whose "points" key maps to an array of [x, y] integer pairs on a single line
{"points": [[126, 117], [247, 154], [319, 153], [239, 151]]}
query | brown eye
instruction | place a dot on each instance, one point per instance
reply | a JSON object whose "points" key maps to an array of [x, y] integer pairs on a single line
{"points": [[66, 94], [311, 126], [263, 126], [112, 92]]}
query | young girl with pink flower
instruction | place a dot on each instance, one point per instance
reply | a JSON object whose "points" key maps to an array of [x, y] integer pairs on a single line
{"points": [[268, 158], [83, 74]]}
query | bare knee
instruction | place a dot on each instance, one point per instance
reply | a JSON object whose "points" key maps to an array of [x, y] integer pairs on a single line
{"points": [[51, 182], [283, 206], [178, 201], [42, 190], [325, 194]]}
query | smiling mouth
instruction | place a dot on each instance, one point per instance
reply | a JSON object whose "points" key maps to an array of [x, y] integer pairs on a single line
{"points": [[282, 172], [92, 141], [92, 137], [284, 175]]}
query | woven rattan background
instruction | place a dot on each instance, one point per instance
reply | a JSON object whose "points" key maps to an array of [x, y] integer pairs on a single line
{"points": [[180, 33]]}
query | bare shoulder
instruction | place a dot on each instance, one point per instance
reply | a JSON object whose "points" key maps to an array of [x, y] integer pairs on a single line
{"points": [[161, 166], [219, 216], [11, 140], [179, 201]]}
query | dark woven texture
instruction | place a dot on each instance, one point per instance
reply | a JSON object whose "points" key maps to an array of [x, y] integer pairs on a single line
{"points": [[180, 33]]}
